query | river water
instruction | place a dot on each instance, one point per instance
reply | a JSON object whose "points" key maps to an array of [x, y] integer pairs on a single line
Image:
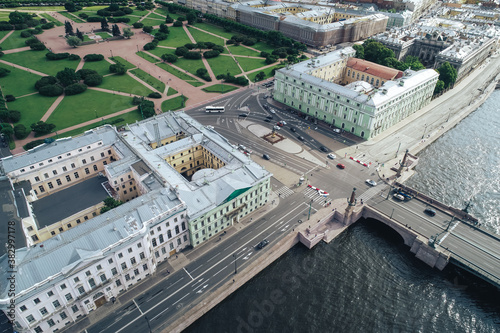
{"points": [[367, 280]]}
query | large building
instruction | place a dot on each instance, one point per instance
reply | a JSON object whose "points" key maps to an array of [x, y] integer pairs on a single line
{"points": [[355, 95], [181, 184]]}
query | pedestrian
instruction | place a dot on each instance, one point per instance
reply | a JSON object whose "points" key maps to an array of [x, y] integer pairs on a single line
{"points": [[361, 201], [176, 256], [233, 280]]}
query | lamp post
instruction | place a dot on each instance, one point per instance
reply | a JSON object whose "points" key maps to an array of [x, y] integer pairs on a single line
{"points": [[235, 264], [309, 214], [425, 128], [111, 53]]}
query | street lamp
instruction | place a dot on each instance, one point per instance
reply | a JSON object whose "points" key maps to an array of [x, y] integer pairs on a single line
{"points": [[425, 128], [235, 264], [309, 215]]}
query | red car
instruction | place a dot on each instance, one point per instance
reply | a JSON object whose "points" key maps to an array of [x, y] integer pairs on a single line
{"points": [[279, 123], [340, 166]]}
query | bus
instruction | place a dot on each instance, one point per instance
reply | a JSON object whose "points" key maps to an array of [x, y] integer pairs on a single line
{"points": [[218, 109]]}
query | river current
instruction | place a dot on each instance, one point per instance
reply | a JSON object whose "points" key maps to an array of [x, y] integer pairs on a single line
{"points": [[367, 280]]}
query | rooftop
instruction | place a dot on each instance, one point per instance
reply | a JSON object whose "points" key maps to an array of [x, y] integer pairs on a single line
{"points": [[374, 69]]}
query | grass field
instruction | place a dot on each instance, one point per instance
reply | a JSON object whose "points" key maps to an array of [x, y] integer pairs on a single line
{"points": [[14, 41], [94, 8], [32, 108], [201, 36], [124, 83], [171, 91], [37, 61], [41, 8], [177, 37], [165, 12], [4, 16], [133, 19], [147, 57], [267, 71], [149, 79], [147, 21], [18, 82], [49, 18], [77, 109], [156, 16], [215, 29], [220, 88], [104, 35], [189, 65], [180, 75], [175, 103], [140, 12], [262, 46], [102, 67], [4, 33], [159, 51], [72, 17], [242, 50], [249, 64], [124, 62], [223, 65]]}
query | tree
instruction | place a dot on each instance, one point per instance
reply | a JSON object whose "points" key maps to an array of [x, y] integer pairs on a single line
{"points": [[164, 29], [42, 128], [447, 74], [127, 33], [439, 87], [51, 90], [70, 6], [21, 132], [360, 51], [138, 25], [14, 116], [68, 28], [93, 80], [104, 24], [177, 24], [73, 41], [191, 18], [260, 76], [84, 72], [7, 130], [118, 69], [181, 51], [168, 19], [67, 77], [168, 57], [116, 30], [75, 88], [147, 29], [45, 81], [79, 35], [4, 72]]}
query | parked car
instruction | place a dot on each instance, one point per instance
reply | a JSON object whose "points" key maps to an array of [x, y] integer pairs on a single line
{"points": [[340, 166], [398, 197], [331, 156], [430, 211], [266, 157], [262, 244], [370, 182], [336, 130], [323, 149]]}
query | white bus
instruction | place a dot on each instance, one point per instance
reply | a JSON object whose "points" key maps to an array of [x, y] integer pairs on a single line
{"points": [[218, 109]]}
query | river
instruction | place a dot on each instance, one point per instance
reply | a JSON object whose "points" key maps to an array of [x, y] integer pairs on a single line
{"points": [[367, 280]]}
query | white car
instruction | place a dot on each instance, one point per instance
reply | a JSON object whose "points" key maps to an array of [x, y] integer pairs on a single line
{"points": [[370, 182], [331, 156], [272, 111], [399, 197], [277, 128], [283, 122]]}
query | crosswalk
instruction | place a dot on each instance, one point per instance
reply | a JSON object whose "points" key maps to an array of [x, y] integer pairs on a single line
{"points": [[315, 196], [284, 192], [371, 192]]}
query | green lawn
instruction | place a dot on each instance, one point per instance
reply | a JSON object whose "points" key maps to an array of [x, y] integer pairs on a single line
{"points": [[177, 37], [128, 118], [175, 103], [163, 11], [14, 41], [124, 62], [267, 71], [156, 16], [216, 30], [4, 16], [102, 67], [242, 50], [38, 61], [151, 22], [148, 57], [201, 36], [223, 65], [41, 8], [49, 18], [140, 12], [32, 108], [171, 91], [72, 17], [94, 8], [77, 109], [220, 88], [133, 19], [18, 82], [249, 63], [263, 46], [104, 35], [4, 33], [149, 79], [180, 75], [159, 51], [189, 65], [124, 83]]}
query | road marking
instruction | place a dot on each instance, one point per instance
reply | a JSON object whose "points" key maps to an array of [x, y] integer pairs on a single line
{"points": [[215, 255], [446, 235], [138, 308], [196, 268], [199, 281], [223, 268], [188, 273]]}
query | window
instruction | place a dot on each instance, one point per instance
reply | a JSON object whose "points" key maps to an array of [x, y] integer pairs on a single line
{"points": [[68, 178], [160, 238], [120, 255], [87, 273], [132, 261], [87, 171], [81, 290], [84, 161], [110, 260], [136, 271], [23, 308], [64, 315], [73, 165], [61, 229], [42, 189], [124, 265], [44, 311], [98, 267], [37, 179], [169, 233], [54, 172], [36, 300], [50, 185], [114, 271], [56, 304], [64, 168], [129, 250], [68, 297], [63, 286], [74, 308], [176, 229], [103, 277], [58, 181], [76, 175], [30, 319], [95, 167], [50, 322], [118, 283], [46, 175], [171, 246], [139, 245], [145, 267], [153, 241], [38, 329], [91, 283], [127, 277]]}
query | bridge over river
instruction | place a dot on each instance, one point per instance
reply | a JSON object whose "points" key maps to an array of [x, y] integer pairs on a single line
{"points": [[451, 235]]}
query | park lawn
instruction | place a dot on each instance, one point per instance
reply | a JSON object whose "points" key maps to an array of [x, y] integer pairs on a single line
{"points": [[37, 61], [4, 33], [14, 41], [181, 75], [201, 36], [223, 65], [171, 91], [216, 30], [32, 108], [189, 65], [127, 118], [133, 19], [41, 8], [147, 57], [263, 47], [139, 12], [80, 108], [242, 50], [159, 51], [249, 64], [149, 79], [124, 83], [94, 8], [175, 103], [220, 88], [104, 35], [102, 67], [72, 17], [176, 38], [124, 62], [267, 71], [163, 11], [18, 82], [49, 18], [150, 22], [4, 16], [156, 16], [86, 38]]}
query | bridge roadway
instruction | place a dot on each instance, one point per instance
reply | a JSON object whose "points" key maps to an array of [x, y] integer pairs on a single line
{"points": [[468, 246]]}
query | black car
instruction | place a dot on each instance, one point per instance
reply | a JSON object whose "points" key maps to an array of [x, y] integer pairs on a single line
{"points": [[430, 212], [269, 117], [262, 244], [267, 120], [301, 138], [293, 129], [266, 157], [244, 115], [323, 149]]}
